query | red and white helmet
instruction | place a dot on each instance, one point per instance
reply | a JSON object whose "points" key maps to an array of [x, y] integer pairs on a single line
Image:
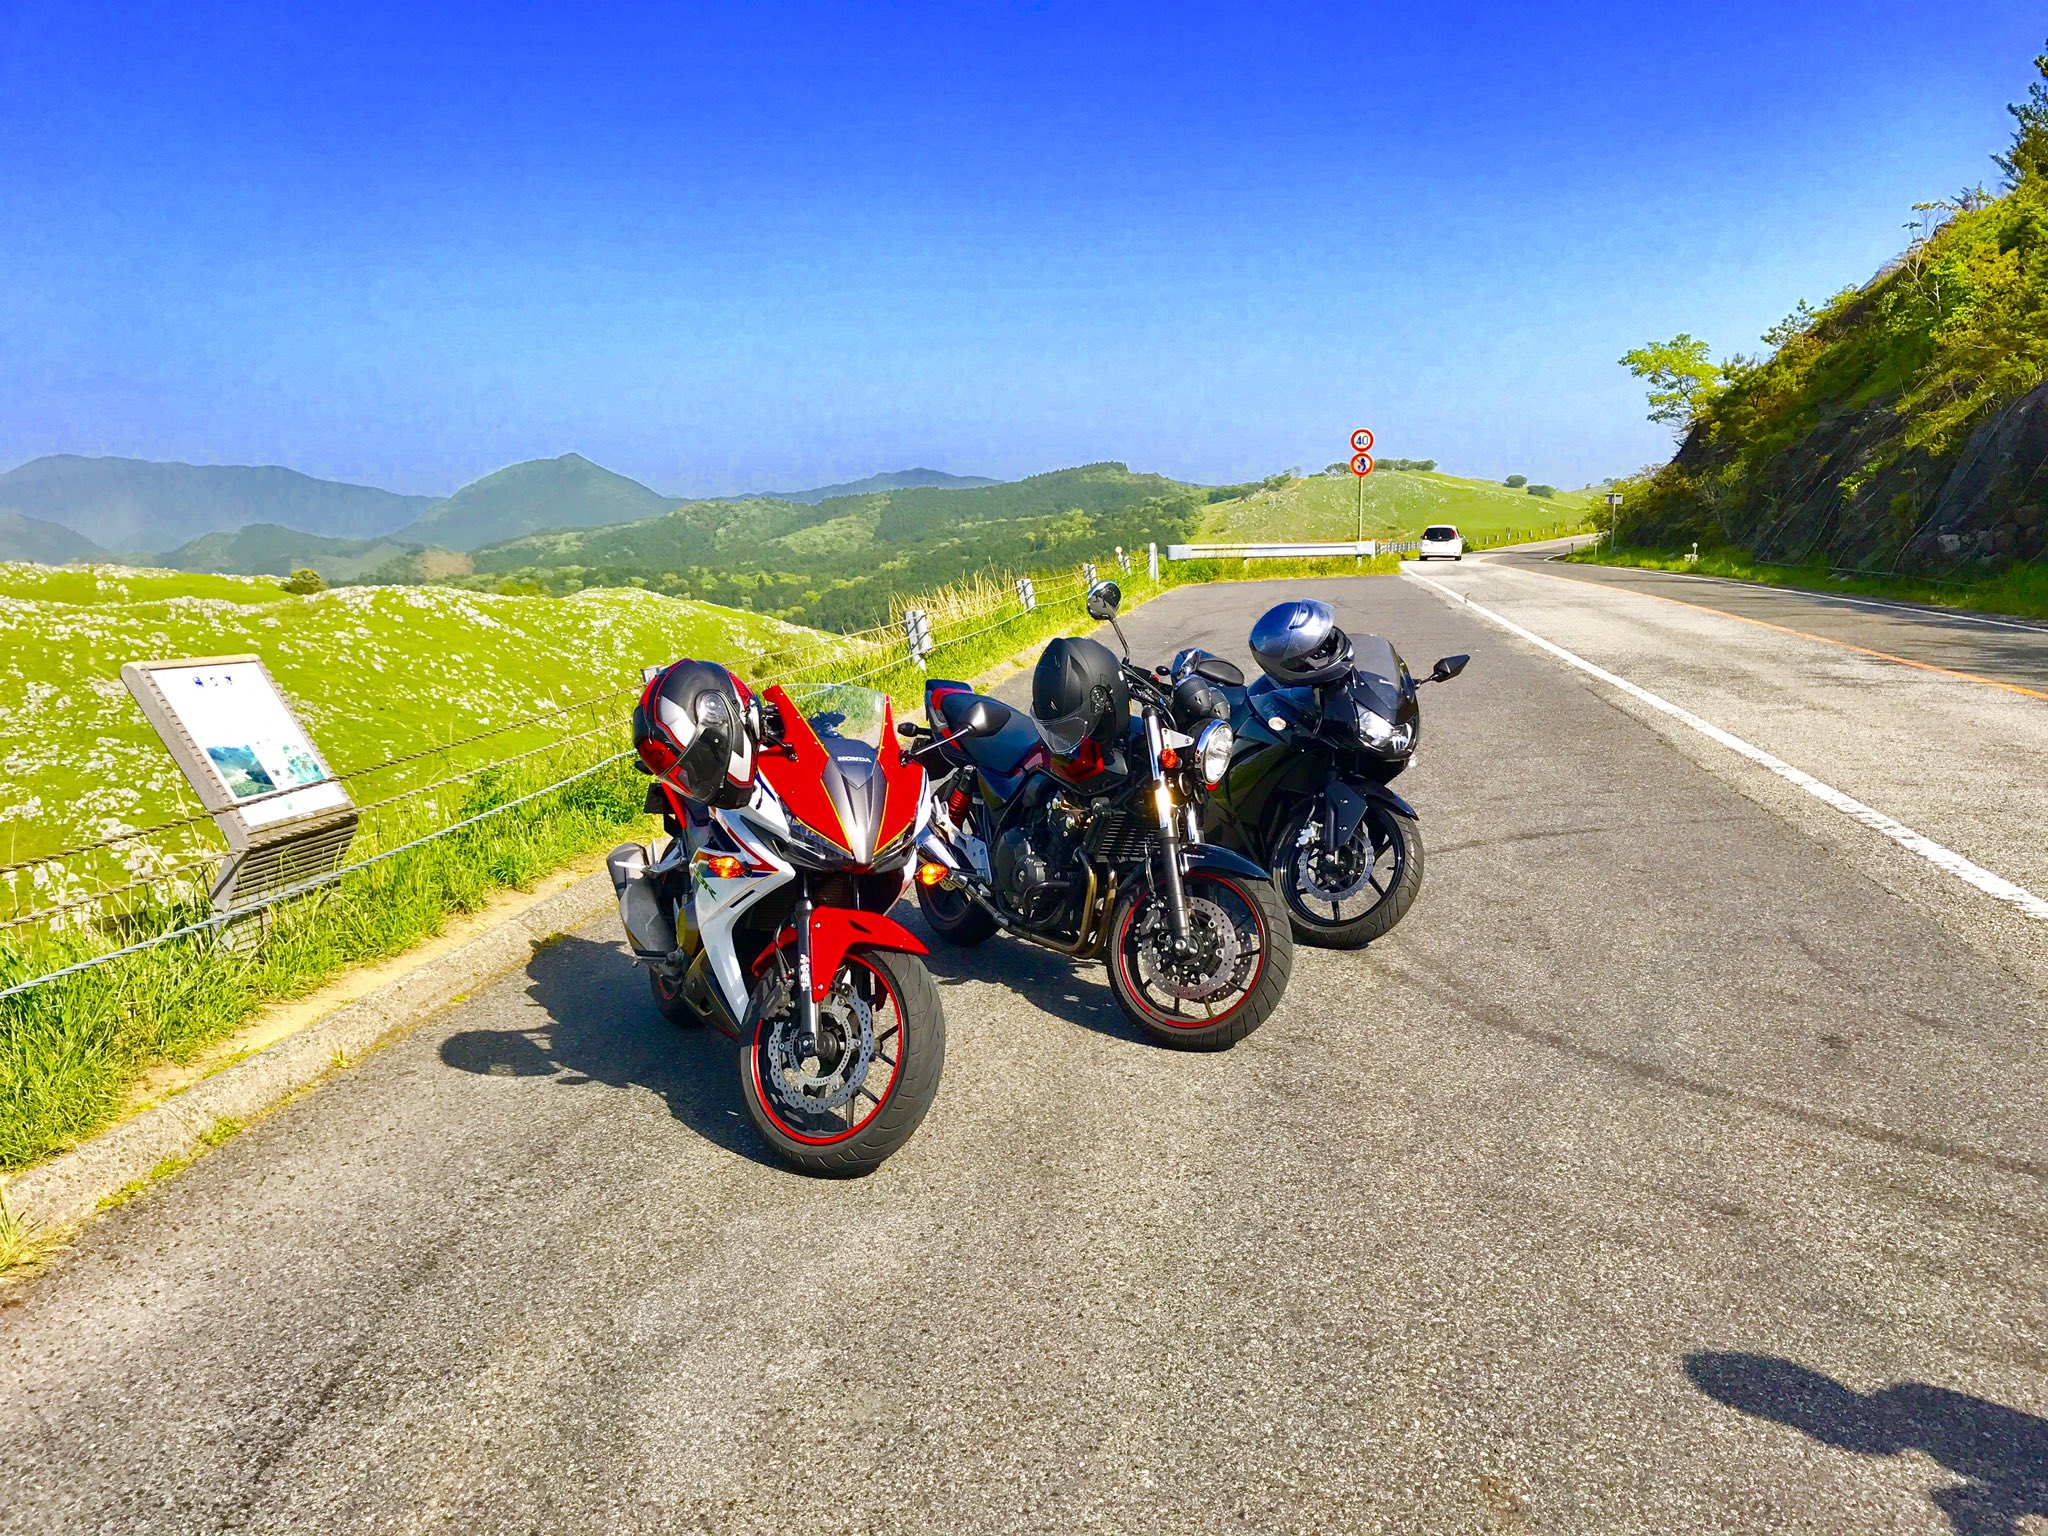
{"points": [[697, 727]]}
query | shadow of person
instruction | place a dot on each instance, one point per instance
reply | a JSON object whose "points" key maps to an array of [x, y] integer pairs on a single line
{"points": [[2001, 1452], [602, 1026]]}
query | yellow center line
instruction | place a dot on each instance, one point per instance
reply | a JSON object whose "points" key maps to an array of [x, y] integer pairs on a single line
{"points": [[1786, 629]]}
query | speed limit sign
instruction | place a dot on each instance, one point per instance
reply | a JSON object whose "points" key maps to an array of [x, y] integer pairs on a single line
{"points": [[1361, 440]]}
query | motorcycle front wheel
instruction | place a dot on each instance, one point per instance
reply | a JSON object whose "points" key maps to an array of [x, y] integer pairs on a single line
{"points": [[1207, 993], [1347, 897], [843, 1103]]}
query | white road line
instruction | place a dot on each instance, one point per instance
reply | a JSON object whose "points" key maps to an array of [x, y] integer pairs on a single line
{"points": [[1941, 857]]}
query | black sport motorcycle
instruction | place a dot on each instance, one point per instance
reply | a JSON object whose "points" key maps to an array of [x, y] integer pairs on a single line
{"points": [[1307, 792], [1096, 849]]}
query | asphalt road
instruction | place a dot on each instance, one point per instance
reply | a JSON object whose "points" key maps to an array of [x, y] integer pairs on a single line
{"points": [[1988, 645], [1677, 1165]]}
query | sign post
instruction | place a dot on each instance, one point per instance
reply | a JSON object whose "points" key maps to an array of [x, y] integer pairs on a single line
{"points": [[1361, 466], [1613, 518], [246, 754]]}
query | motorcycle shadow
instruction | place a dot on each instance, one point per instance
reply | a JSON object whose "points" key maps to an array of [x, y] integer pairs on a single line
{"points": [[602, 1026], [1074, 991]]}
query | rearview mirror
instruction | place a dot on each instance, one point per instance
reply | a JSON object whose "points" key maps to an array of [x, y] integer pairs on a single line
{"points": [[1447, 668], [1217, 670], [1104, 599]]}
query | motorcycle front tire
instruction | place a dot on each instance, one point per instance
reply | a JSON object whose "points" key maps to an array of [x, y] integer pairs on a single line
{"points": [[921, 1047], [1378, 919], [1253, 1006]]}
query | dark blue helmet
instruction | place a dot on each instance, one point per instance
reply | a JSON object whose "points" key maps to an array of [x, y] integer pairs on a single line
{"points": [[1299, 645]]}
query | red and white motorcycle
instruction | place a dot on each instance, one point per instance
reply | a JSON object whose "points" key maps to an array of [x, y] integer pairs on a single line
{"points": [[763, 914]]}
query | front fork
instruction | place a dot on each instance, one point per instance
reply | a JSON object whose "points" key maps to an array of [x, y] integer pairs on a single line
{"points": [[1170, 834], [805, 1003]]}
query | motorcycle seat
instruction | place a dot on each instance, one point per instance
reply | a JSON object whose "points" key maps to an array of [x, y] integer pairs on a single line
{"points": [[1008, 749]]}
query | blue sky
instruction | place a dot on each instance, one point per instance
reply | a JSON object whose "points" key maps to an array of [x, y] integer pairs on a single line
{"points": [[721, 248]]}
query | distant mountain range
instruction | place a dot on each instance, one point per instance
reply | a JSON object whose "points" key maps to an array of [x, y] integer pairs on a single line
{"points": [[134, 504], [259, 520]]}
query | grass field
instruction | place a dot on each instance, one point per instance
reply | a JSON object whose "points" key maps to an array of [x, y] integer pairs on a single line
{"points": [[376, 673], [1397, 502]]}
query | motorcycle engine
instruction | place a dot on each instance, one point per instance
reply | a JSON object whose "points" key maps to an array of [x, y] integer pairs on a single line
{"points": [[1037, 858]]}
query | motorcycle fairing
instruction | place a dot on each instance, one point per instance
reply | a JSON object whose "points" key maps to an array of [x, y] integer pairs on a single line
{"points": [[719, 905], [798, 773], [858, 797], [835, 930]]}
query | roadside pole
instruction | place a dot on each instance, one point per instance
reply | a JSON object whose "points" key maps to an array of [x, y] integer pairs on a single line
{"points": [[1361, 466]]}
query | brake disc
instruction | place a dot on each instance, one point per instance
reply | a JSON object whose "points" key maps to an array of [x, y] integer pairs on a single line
{"points": [[1323, 876], [1211, 967], [848, 1016]]}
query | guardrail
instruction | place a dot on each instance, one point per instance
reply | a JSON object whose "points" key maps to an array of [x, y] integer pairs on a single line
{"points": [[1360, 548]]}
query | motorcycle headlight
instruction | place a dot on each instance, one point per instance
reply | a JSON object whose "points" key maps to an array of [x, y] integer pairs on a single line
{"points": [[808, 847], [1212, 751], [1381, 734]]}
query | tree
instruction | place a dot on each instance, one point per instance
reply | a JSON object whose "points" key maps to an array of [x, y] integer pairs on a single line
{"points": [[1682, 378], [1515, 482], [1792, 327], [1545, 491], [304, 580], [2028, 156]]}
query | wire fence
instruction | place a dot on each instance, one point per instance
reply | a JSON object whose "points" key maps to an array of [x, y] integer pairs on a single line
{"points": [[106, 892]]}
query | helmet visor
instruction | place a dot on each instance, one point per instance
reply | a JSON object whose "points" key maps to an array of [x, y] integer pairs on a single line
{"points": [[1065, 734]]}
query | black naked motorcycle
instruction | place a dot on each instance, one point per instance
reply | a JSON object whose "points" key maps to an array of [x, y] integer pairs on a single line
{"points": [[1318, 739], [1078, 827]]}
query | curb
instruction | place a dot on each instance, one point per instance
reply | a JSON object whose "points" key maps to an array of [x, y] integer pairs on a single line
{"points": [[67, 1189]]}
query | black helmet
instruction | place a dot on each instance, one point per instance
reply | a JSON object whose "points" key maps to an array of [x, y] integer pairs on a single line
{"points": [[696, 727], [1079, 693], [1299, 645]]}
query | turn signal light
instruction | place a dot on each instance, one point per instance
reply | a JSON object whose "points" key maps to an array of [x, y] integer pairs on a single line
{"points": [[721, 866], [1169, 759], [929, 873]]}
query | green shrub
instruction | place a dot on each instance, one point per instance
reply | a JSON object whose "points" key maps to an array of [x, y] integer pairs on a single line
{"points": [[1515, 482]]}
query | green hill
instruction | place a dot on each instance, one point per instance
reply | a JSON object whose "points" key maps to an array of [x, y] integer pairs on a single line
{"points": [[568, 492], [30, 538], [1397, 502], [376, 671], [841, 562], [265, 549], [133, 504], [892, 480], [1903, 426]]}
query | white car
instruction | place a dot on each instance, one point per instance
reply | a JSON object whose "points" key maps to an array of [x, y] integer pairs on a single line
{"points": [[1441, 542]]}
